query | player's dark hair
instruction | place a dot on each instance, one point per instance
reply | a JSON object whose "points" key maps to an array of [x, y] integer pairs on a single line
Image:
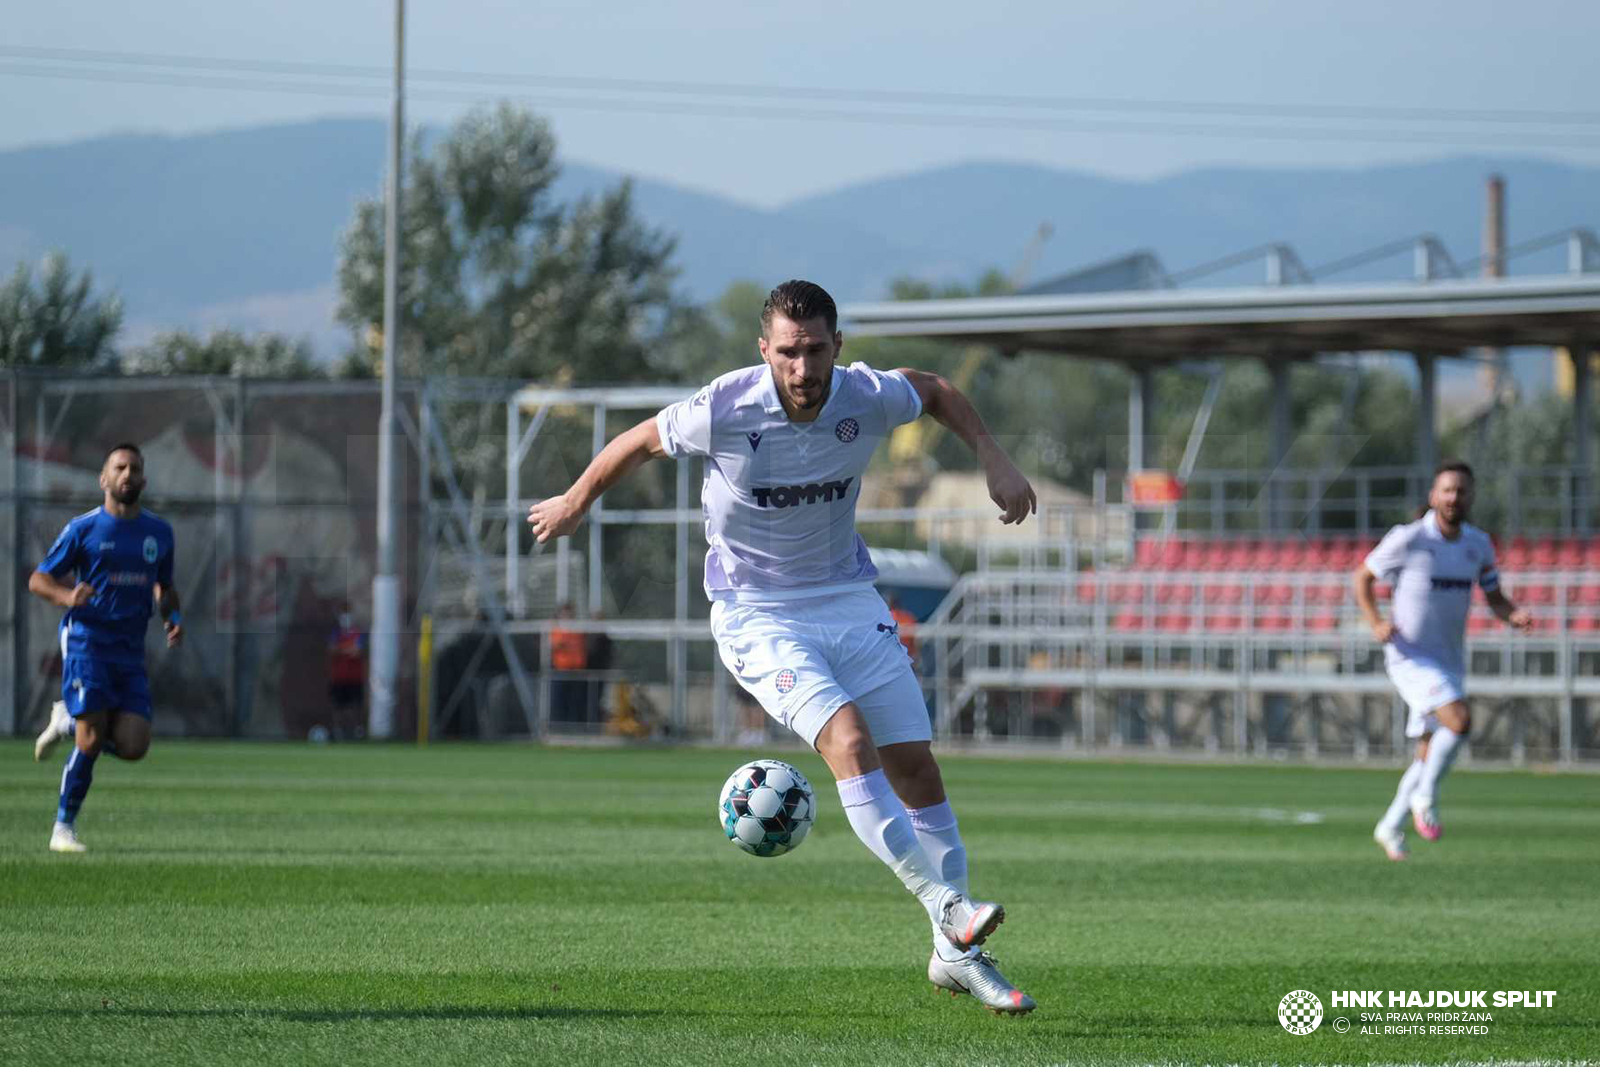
{"points": [[1449, 466], [126, 446], [798, 301]]}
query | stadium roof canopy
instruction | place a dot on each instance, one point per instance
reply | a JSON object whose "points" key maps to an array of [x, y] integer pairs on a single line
{"points": [[1277, 323]]}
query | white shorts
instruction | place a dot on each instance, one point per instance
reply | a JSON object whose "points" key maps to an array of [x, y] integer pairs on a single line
{"points": [[805, 659], [1425, 687]]}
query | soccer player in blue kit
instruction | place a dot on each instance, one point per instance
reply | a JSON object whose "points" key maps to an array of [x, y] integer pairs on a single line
{"points": [[794, 612], [120, 557]]}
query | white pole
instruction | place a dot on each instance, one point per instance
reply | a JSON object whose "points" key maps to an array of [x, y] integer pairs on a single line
{"points": [[385, 662]]}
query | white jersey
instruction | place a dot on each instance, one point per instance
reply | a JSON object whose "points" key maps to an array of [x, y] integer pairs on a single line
{"points": [[1432, 578], [779, 496]]}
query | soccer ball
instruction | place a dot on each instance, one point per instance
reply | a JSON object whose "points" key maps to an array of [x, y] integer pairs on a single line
{"points": [[766, 807]]}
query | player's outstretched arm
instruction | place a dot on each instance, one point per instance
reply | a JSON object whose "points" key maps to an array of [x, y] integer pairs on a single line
{"points": [[558, 516], [47, 588], [1507, 612], [1363, 583], [944, 403]]}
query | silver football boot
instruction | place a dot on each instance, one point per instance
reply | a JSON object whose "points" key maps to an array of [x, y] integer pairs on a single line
{"points": [[980, 976], [969, 922]]}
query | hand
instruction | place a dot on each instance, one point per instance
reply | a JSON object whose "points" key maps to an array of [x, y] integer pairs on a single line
{"points": [[174, 634], [81, 594], [1009, 489], [1521, 619], [1383, 632], [554, 517]]}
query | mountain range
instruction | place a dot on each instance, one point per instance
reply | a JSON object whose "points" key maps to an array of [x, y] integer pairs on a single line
{"points": [[241, 227]]}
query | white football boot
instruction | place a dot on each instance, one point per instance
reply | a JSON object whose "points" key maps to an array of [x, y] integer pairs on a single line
{"points": [[1425, 818], [64, 839], [980, 976], [969, 922], [1393, 842], [59, 728]]}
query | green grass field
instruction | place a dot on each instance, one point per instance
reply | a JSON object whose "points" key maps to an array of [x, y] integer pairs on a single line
{"points": [[265, 904]]}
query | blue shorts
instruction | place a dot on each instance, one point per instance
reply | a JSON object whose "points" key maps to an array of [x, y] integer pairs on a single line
{"points": [[91, 685]]}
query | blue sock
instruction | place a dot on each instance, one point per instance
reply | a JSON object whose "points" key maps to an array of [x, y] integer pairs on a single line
{"points": [[75, 781]]}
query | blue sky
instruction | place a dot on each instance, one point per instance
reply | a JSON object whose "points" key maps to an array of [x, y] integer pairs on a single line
{"points": [[1124, 88]]}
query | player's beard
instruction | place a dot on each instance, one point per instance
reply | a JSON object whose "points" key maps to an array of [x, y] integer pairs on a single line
{"points": [[127, 494], [798, 398]]}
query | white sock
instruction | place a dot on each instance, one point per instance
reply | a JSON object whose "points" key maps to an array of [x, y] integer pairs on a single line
{"points": [[1400, 806], [941, 840], [1442, 750], [880, 820]]}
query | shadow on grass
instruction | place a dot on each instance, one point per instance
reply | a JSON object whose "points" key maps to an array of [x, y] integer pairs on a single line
{"points": [[328, 1015]]}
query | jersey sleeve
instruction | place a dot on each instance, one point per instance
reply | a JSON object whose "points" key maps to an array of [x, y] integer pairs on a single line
{"points": [[1489, 573], [1389, 556], [63, 555], [894, 392], [165, 564], [685, 427]]}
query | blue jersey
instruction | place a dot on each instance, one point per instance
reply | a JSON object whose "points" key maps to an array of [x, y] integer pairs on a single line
{"points": [[123, 559]]}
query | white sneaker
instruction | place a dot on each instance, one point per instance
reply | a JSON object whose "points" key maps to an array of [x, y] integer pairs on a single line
{"points": [[59, 727], [969, 922], [1426, 818], [65, 839], [980, 976], [1393, 843]]}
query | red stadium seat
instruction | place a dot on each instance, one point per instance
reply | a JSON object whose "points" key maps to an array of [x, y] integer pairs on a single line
{"points": [[1277, 622], [1517, 554], [1480, 623], [1210, 556], [1570, 554], [1173, 555], [1544, 553], [1324, 593], [1541, 595], [1146, 553], [1223, 624], [1128, 620], [1236, 555], [1174, 593], [1591, 554], [1584, 624], [1125, 592], [1088, 589], [1276, 594], [1322, 623], [1172, 624], [1225, 593], [1587, 595]]}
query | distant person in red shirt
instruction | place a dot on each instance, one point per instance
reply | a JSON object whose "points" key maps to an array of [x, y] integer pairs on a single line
{"points": [[347, 674]]}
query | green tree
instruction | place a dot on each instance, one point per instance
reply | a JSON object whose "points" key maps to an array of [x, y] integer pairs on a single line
{"points": [[501, 280], [224, 352], [53, 320]]}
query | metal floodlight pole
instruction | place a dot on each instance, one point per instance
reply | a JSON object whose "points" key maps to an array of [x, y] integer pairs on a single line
{"points": [[385, 662]]}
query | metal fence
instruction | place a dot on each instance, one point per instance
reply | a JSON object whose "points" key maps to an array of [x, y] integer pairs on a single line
{"points": [[271, 490]]}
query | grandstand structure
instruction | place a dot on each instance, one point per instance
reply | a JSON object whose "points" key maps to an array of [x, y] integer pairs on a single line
{"points": [[1234, 630]]}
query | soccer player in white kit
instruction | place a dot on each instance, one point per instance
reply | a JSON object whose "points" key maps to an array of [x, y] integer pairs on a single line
{"points": [[1432, 565], [793, 609]]}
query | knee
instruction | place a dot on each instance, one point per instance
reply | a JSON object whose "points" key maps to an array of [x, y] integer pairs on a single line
{"points": [[89, 744], [133, 752]]}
